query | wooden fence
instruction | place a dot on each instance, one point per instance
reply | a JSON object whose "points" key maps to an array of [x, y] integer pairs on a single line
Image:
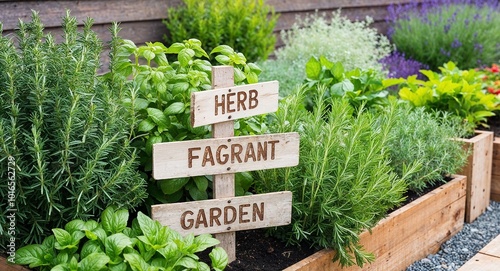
{"points": [[141, 20]]}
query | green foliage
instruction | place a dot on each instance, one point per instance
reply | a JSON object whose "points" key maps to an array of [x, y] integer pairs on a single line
{"points": [[160, 104], [455, 91], [245, 25], [359, 87], [465, 32], [65, 129], [425, 138], [354, 44], [344, 183], [111, 245]]}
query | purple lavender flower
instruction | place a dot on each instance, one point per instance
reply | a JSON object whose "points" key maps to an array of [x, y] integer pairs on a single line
{"points": [[399, 66], [455, 44]]}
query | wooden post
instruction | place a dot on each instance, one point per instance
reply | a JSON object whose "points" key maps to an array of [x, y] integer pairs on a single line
{"points": [[223, 184]]}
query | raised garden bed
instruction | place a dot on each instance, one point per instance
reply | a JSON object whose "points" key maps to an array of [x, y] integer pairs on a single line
{"points": [[407, 234], [478, 171], [495, 171]]}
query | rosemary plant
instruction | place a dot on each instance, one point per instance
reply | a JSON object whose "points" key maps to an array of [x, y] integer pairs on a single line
{"points": [[344, 183], [65, 130], [423, 137]]}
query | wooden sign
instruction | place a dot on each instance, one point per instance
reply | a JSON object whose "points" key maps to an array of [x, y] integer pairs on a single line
{"points": [[231, 103], [226, 215], [224, 155]]}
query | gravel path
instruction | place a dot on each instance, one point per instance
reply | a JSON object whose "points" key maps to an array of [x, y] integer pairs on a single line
{"points": [[465, 244]]}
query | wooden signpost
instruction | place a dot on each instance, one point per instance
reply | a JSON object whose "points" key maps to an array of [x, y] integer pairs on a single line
{"points": [[223, 155]]}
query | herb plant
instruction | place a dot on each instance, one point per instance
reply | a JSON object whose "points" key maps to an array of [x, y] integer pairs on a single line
{"points": [[426, 138], [359, 87], [110, 245], [438, 31], [338, 39], [344, 183], [65, 129], [458, 92], [160, 104], [398, 65], [245, 25]]}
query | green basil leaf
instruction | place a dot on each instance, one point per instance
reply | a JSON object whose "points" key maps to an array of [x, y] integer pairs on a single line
{"points": [[63, 238], [146, 125], [90, 247], [252, 78], [75, 225], [175, 108], [114, 221], [201, 182], [94, 261], [119, 267], [338, 70], [175, 48], [222, 59], [61, 267], [141, 104], [157, 116], [204, 241], [136, 262], [32, 255], [172, 185], [239, 76], [148, 55], [115, 244], [223, 49], [313, 68], [185, 55], [197, 194], [219, 258], [187, 262]]}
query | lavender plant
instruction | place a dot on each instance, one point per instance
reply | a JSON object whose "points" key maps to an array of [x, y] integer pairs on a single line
{"points": [[354, 44], [398, 65], [438, 31]]}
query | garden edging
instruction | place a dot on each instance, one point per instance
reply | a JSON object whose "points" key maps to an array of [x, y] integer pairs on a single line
{"points": [[407, 234], [478, 171]]}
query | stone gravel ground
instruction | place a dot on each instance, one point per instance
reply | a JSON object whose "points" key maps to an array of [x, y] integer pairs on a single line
{"points": [[465, 244]]}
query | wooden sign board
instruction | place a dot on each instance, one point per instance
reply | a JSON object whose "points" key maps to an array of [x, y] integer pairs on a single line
{"points": [[231, 103], [224, 155], [226, 215]]}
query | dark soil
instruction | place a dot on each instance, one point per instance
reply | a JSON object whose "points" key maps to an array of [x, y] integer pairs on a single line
{"points": [[494, 123], [256, 251]]}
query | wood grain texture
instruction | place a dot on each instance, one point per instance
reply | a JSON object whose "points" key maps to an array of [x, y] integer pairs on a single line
{"points": [[495, 171], [274, 209], [406, 235], [478, 171], [232, 103]]}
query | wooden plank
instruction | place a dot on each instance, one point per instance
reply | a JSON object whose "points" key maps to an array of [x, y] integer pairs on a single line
{"points": [[224, 155], [102, 11], [287, 19], [5, 265], [226, 215], [492, 248], [481, 262], [232, 103], [298, 5], [407, 234], [495, 171], [478, 171], [223, 184]]}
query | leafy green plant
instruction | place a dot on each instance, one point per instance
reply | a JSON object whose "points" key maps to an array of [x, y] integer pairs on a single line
{"points": [[426, 138], [359, 87], [344, 183], [435, 32], [338, 39], [456, 91], [65, 129], [245, 25], [160, 103], [111, 245]]}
